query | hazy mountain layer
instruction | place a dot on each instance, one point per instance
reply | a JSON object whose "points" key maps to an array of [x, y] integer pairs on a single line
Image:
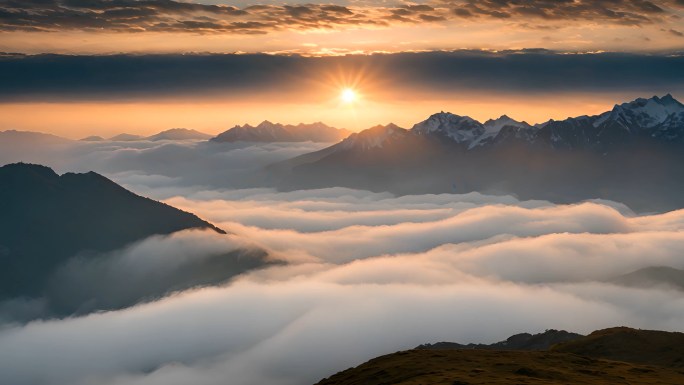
{"points": [[651, 277], [276, 132], [170, 134]]}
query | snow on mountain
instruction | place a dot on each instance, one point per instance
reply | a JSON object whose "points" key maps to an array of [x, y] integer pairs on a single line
{"points": [[493, 128], [461, 129], [644, 113], [660, 118], [468, 131]]}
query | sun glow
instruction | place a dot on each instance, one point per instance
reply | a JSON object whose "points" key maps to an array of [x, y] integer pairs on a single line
{"points": [[348, 96]]}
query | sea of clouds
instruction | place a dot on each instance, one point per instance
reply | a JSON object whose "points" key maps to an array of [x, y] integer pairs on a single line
{"points": [[360, 274]]}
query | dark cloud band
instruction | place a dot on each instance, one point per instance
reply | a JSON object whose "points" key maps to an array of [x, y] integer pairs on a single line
{"points": [[61, 77]]}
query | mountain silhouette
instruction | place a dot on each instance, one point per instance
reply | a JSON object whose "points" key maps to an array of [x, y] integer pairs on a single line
{"points": [[47, 218], [276, 132], [652, 276], [179, 134], [125, 137], [649, 347], [521, 341]]}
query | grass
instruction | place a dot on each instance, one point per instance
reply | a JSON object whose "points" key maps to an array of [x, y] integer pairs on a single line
{"points": [[470, 367]]}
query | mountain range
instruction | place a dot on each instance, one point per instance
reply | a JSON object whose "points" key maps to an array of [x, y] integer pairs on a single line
{"points": [[170, 134], [264, 132], [48, 219], [657, 118], [276, 132], [629, 154]]}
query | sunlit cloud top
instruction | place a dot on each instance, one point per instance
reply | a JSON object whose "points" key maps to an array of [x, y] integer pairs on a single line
{"points": [[340, 27]]}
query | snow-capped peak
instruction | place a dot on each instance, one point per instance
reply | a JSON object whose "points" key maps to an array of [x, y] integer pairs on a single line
{"points": [[646, 113], [492, 127], [670, 101], [495, 125], [461, 129]]}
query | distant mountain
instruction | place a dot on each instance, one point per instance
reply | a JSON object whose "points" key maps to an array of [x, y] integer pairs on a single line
{"points": [[29, 137], [92, 138], [179, 134], [27, 146], [170, 134], [653, 276], [126, 138], [47, 218], [522, 341], [276, 132], [630, 154], [610, 356]]}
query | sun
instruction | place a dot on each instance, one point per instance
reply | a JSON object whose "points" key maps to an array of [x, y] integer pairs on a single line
{"points": [[348, 96]]}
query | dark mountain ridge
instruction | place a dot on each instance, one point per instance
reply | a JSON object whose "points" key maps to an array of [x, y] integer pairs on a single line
{"points": [[521, 341], [47, 218], [648, 347]]}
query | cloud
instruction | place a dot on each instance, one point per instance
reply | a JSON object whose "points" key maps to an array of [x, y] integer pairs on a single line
{"points": [[676, 33], [178, 16], [344, 227], [55, 77], [151, 268], [174, 165], [298, 323], [628, 12], [366, 274]]}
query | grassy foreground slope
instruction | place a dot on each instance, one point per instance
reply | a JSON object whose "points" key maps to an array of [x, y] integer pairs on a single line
{"points": [[560, 365]]}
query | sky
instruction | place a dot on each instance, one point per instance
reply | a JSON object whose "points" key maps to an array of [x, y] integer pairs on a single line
{"points": [[354, 274], [77, 68]]}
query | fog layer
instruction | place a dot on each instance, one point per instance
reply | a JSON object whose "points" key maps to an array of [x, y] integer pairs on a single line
{"points": [[364, 274]]}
